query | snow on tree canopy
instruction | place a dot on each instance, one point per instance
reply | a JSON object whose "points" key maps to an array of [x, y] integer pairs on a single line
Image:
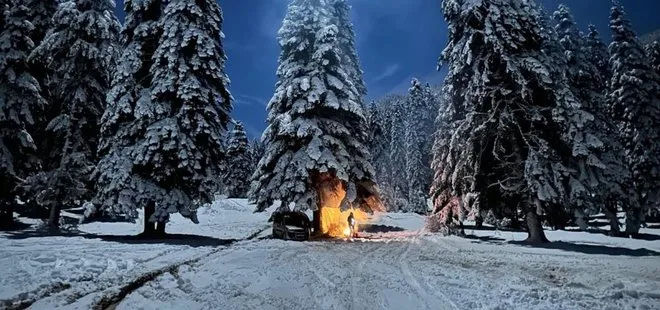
{"points": [[634, 104], [239, 167], [598, 54], [167, 111], [21, 102], [41, 16], [79, 51], [316, 122], [610, 179], [512, 127], [418, 124], [653, 51]]}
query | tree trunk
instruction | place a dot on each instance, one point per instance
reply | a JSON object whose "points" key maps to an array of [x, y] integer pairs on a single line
{"points": [[581, 221], [6, 215], [149, 227], [535, 232], [160, 228], [610, 212], [54, 217], [479, 222], [633, 221], [316, 222]]}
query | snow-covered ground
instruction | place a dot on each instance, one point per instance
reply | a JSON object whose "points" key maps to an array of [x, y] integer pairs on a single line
{"points": [[403, 270]]}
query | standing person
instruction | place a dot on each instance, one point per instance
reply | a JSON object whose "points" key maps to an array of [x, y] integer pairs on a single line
{"points": [[351, 225]]}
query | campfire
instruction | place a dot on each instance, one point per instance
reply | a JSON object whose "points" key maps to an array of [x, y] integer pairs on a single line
{"points": [[333, 222]]}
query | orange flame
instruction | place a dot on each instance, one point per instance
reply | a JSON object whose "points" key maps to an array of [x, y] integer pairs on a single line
{"points": [[334, 222]]}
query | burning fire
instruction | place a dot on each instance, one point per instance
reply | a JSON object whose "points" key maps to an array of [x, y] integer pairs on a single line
{"points": [[334, 222]]}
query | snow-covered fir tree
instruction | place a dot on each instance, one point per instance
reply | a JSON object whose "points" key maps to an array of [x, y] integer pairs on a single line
{"points": [[317, 128], [256, 152], [346, 38], [80, 51], [514, 125], [418, 124], [161, 145], [611, 179], [634, 103], [21, 104], [237, 178], [653, 52], [379, 146], [41, 13], [388, 119], [378, 142], [397, 154], [597, 53]]}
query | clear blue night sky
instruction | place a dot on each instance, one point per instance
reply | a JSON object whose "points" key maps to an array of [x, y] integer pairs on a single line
{"points": [[396, 40]]}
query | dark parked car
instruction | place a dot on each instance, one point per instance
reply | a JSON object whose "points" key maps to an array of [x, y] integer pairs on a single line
{"points": [[291, 226]]}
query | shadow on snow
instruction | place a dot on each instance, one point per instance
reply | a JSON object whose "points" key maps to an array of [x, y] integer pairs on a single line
{"points": [[171, 239]]}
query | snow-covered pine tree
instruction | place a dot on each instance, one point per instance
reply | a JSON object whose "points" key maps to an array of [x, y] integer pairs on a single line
{"points": [[378, 142], [653, 52], [21, 104], [634, 104], [317, 130], [420, 107], [80, 51], [598, 54], [161, 146], [256, 152], [379, 146], [611, 179], [346, 38], [237, 177], [512, 122], [41, 16], [397, 154]]}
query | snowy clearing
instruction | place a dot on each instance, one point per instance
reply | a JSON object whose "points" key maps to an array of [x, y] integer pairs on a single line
{"points": [[402, 270]]}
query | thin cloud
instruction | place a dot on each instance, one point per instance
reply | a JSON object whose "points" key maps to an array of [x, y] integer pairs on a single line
{"points": [[388, 72], [249, 100]]}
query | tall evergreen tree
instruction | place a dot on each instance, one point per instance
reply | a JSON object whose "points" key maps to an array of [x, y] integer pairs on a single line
{"points": [[653, 51], [161, 146], [418, 123], [41, 16], [598, 54], [80, 51], [634, 103], [256, 152], [514, 121], [397, 153], [317, 129], [21, 104], [380, 123], [346, 38], [237, 178], [609, 185]]}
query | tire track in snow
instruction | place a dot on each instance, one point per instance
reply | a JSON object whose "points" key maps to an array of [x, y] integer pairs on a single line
{"points": [[365, 257], [110, 302], [430, 303]]}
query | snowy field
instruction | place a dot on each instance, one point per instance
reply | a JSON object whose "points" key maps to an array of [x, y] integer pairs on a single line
{"points": [[399, 270]]}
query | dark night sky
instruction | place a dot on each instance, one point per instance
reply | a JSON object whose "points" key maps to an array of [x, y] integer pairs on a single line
{"points": [[396, 40]]}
